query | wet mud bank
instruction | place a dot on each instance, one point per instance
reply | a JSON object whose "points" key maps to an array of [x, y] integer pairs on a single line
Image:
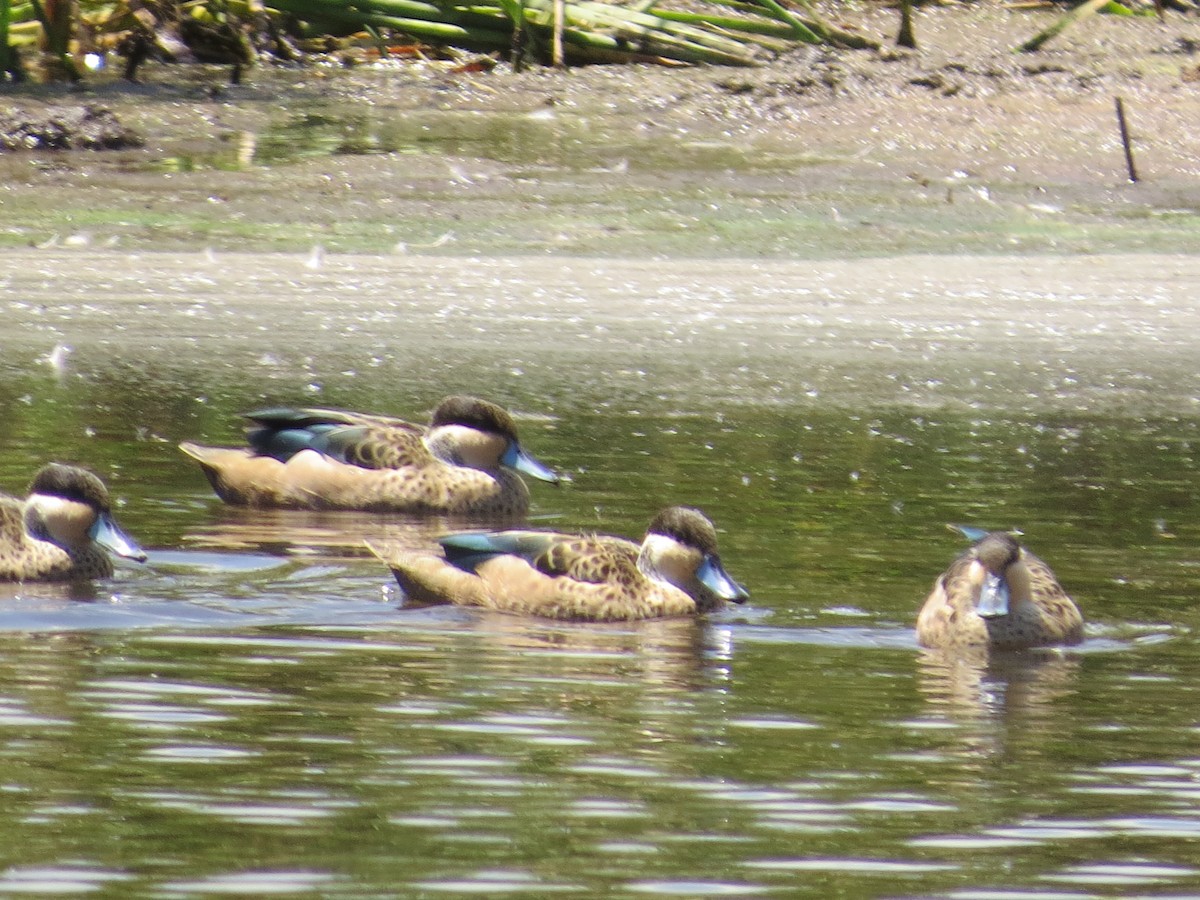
{"points": [[962, 146]]}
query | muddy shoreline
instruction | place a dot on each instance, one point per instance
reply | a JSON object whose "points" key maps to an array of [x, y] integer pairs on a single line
{"points": [[960, 146]]}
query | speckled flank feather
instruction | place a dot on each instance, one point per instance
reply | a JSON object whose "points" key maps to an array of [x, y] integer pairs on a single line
{"points": [[593, 559], [594, 578], [381, 446], [1040, 616], [376, 463], [29, 557]]}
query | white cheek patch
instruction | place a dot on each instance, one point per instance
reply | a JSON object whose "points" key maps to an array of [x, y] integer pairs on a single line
{"points": [[463, 446], [664, 558], [1020, 581], [976, 575], [659, 545], [65, 522]]}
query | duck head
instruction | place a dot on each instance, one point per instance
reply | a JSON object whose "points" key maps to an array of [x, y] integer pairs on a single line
{"points": [[680, 547], [467, 431], [69, 506], [1001, 577]]}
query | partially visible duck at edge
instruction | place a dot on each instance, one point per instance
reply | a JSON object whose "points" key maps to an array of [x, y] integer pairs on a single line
{"points": [[64, 530], [465, 463], [675, 571], [998, 595]]}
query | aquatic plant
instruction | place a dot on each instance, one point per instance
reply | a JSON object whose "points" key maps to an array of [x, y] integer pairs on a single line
{"points": [[721, 32], [558, 32], [57, 18], [586, 30]]}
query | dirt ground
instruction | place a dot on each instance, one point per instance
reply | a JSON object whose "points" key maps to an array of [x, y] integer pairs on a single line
{"points": [[963, 90], [814, 135]]}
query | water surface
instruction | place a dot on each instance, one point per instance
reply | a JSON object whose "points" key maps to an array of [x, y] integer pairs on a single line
{"points": [[256, 712]]}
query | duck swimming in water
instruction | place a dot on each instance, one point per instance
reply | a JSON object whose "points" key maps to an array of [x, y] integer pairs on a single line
{"points": [[998, 595], [675, 571], [464, 463], [62, 531]]}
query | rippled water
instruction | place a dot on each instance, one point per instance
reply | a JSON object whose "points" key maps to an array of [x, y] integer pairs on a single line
{"points": [[254, 711]]}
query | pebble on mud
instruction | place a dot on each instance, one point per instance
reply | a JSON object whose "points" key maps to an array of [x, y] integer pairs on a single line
{"points": [[82, 127]]}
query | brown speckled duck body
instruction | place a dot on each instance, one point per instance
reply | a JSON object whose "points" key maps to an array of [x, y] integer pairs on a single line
{"points": [[465, 463], [675, 571], [1000, 596], [62, 531]]}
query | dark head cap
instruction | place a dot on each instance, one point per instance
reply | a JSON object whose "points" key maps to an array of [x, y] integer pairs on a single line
{"points": [[997, 550], [475, 413], [71, 483], [688, 526]]}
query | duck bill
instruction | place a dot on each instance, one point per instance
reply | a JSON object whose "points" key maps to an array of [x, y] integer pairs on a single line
{"points": [[993, 597], [516, 458], [714, 577], [106, 533]]}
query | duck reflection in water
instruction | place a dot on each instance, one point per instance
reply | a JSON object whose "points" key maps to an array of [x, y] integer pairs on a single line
{"points": [[664, 656], [318, 534], [1025, 684], [1005, 706]]}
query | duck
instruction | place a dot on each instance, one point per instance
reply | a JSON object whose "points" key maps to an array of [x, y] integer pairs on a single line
{"points": [[465, 463], [674, 571], [998, 596], [63, 531]]}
